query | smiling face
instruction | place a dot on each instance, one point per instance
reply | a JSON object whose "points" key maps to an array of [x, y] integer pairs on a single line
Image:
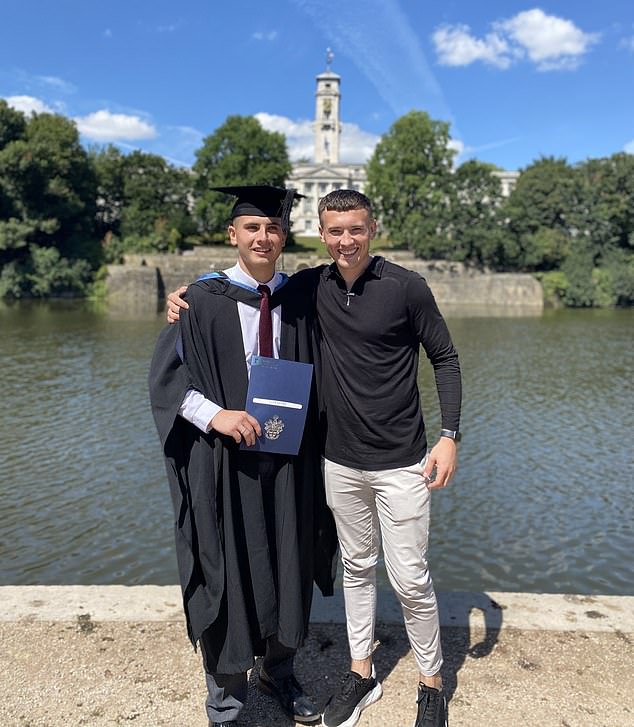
{"points": [[347, 236], [259, 241]]}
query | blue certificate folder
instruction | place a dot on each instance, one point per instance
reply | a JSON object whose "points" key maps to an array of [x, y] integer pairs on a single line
{"points": [[277, 397]]}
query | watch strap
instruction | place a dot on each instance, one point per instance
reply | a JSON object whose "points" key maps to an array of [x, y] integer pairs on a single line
{"points": [[451, 434]]}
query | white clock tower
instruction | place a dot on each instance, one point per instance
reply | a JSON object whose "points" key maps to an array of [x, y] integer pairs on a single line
{"points": [[327, 122], [316, 177]]}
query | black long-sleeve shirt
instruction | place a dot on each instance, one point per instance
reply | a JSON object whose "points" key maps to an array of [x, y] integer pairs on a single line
{"points": [[371, 337]]}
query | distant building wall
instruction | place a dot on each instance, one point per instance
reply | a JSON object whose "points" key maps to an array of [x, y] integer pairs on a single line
{"points": [[316, 180], [150, 277]]}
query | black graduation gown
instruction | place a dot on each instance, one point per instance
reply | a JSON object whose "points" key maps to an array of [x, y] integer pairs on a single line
{"points": [[240, 584]]}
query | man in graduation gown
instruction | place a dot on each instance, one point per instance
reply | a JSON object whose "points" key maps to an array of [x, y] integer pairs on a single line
{"points": [[252, 529]]}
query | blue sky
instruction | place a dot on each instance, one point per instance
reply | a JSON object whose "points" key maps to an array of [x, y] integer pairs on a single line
{"points": [[516, 80]]}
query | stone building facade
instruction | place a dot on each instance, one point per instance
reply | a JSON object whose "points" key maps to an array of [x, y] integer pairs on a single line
{"points": [[325, 172]]}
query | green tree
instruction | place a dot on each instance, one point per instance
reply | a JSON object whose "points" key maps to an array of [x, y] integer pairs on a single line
{"points": [[143, 203], [238, 152], [619, 266], [409, 181], [574, 224], [12, 124], [540, 216], [156, 197], [47, 199], [476, 232], [604, 221], [12, 128], [579, 289], [606, 212], [109, 164]]}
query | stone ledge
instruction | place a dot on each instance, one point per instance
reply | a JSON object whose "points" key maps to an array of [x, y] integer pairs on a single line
{"points": [[491, 610]]}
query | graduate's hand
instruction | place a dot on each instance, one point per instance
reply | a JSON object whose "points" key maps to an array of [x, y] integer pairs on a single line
{"points": [[237, 424], [443, 457], [175, 303]]}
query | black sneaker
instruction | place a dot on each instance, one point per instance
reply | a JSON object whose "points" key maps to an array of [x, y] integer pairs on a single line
{"points": [[344, 708], [432, 707]]}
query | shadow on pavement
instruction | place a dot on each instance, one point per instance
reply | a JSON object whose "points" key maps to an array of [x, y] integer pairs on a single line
{"points": [[472, 613]]}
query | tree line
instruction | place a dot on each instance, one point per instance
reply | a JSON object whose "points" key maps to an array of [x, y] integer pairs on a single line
{"points": [[66, 211]]}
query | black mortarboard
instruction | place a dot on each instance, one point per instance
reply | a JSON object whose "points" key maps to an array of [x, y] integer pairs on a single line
{"points": [[262, 200]]}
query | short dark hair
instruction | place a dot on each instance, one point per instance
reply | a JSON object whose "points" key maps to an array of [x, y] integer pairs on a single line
{"points": [[344, 200]]}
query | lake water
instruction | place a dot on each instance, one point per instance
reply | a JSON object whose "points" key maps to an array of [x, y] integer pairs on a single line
{"points": [[542, 500]]}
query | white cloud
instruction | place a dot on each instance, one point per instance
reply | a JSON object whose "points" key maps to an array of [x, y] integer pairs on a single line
{"points": [[29, 105], [458, 146], [627, 43], [103, 126], [58, 84], [188, 133], [260, 35], [550, 42], [356, 145], [41, 85], [455, 46], [629, 147], [466, 151], [299, 134]]}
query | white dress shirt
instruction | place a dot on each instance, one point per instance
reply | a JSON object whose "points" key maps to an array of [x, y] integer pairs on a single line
{"points": [[195, 407]]}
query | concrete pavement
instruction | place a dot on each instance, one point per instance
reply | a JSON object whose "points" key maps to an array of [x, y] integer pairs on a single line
{"points": [[117, 655]]}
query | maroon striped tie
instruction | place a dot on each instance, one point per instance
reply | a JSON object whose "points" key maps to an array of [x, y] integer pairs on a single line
{"points": [[266, 325]]}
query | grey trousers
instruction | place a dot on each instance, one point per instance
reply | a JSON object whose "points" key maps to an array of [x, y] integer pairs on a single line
{"points": [[227, 693]]}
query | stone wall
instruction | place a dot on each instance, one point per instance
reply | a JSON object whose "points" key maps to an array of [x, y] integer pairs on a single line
{"points": [[133, 282], [455, 286]]}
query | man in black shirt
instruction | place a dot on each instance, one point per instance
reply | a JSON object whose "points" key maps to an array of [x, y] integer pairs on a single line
{"points": [[374, 316]]}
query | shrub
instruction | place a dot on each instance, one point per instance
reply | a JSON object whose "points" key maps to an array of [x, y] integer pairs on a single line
{"points": [[555, 285]]}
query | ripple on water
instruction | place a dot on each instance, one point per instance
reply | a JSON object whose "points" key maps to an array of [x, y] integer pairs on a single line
{"points": [[541, 501]]}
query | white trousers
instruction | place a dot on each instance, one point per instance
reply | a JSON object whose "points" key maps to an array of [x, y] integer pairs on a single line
{"points": [[392, 506]]}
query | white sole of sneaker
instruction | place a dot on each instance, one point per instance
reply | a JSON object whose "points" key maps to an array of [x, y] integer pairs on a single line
{"points": [[370, 698]]}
